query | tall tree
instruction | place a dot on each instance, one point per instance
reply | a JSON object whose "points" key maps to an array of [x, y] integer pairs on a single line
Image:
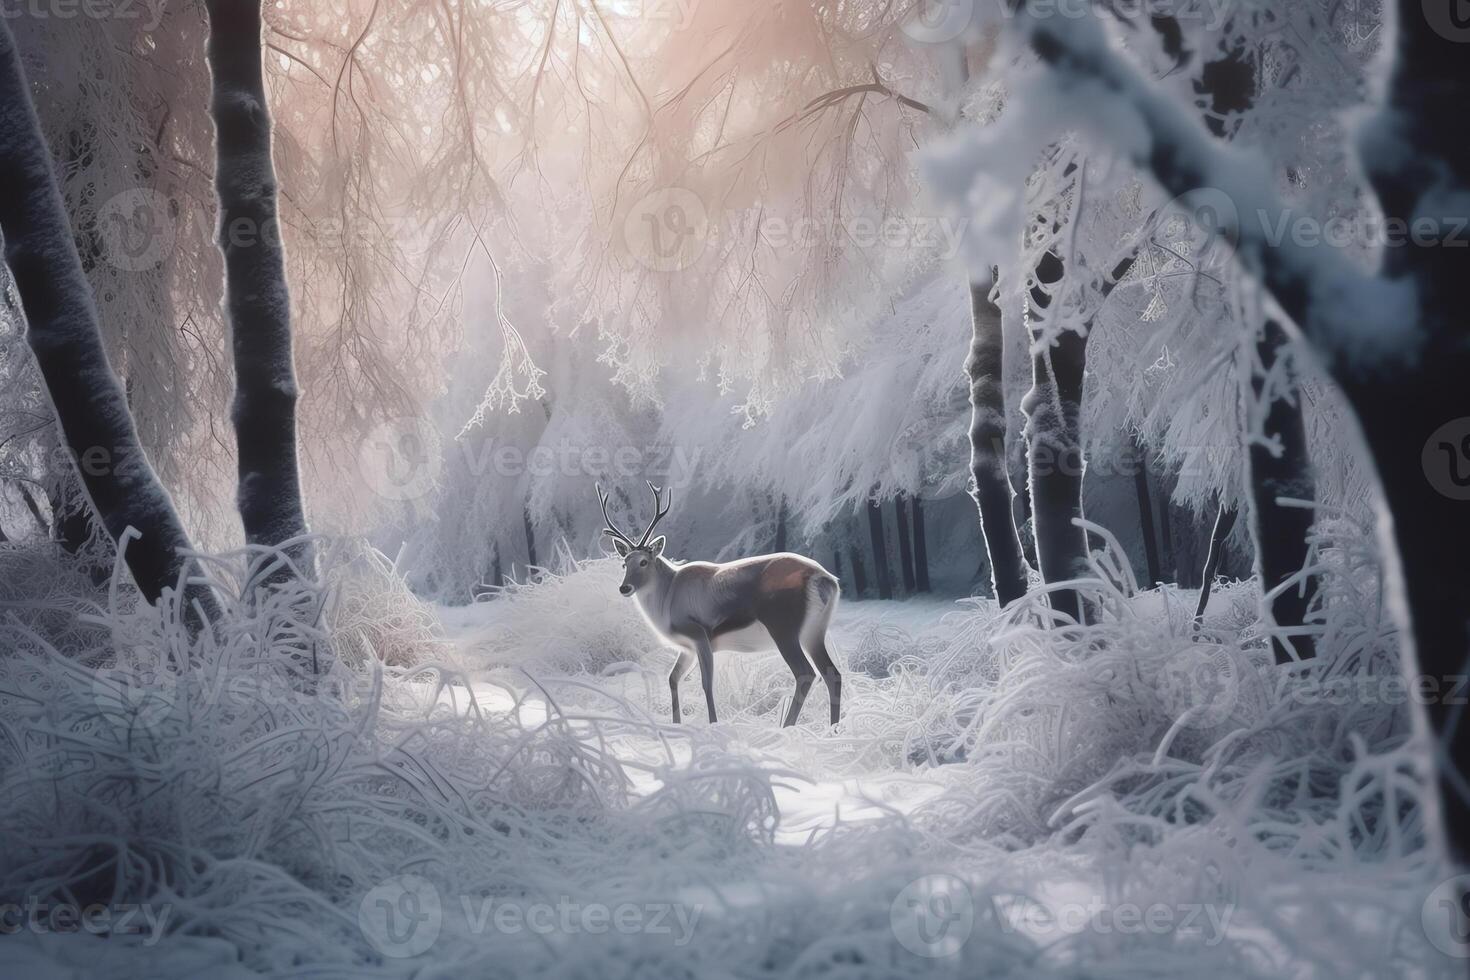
{"points": [[905, 548], [1053, 409], [62, 331], [992, 489], [921, 546], [256, 297], [880, 549]]}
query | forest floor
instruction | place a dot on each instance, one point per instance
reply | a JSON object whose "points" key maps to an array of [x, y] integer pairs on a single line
{"points": [[1001, 798]]}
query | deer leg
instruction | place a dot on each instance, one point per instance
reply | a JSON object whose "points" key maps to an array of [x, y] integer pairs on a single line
{"points": [[681, 667], [796, 660], [816, 648], [706, 672]]}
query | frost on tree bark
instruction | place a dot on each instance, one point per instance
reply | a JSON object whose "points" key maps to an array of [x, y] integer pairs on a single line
{"points": [[256, 298], [1282, 469], [1408, 396], [62, 332], [1224, 524], [1053, 409], [992, 490]]}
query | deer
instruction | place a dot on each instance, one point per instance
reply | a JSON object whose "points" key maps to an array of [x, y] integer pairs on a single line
{"points": [[782, 601]]}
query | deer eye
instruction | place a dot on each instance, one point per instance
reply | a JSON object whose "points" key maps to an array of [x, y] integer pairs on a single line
{"points": [[643, 561]]}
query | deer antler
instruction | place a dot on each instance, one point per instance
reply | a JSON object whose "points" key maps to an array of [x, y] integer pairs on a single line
{"points": [[660, 511], [611, 527]]}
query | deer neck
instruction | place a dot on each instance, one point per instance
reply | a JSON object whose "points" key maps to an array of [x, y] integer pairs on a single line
{"points": [[655, 599]]}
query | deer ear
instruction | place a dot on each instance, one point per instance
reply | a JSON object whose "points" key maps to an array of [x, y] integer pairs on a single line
{"points": [[656, 546], [622, 546]]}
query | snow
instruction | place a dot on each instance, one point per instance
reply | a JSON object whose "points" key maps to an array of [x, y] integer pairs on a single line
{"points": [[1058, 798]]}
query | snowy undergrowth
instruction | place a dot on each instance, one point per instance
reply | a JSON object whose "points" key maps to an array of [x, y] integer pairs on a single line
{"points": [[1047, 767]]}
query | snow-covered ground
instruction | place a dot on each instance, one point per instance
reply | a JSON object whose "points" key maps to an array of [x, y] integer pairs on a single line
{"points": [[808, 804], [1001, 798]]}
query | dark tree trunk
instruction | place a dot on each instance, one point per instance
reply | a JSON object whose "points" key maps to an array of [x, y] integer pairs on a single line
{"points": [[1413, 414], [1166, 536], [905, 550], [836, 568], [859, 573], [1053, 409], [62, 331], [256, 299], [921, 547], [781, 526], [1146, 515], [1280, 532], [992, 489], [880, 549], [1224, 524]]}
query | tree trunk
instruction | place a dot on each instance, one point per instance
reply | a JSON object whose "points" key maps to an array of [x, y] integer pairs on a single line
{"points": [[1224, 524], [1280, 532], [1146, 515], [1414, 415], [880, 549], [905, 551], [256, 299], [63, 334], [992, 489], [1053, 409], [859, 573], [1166, 537], [921, 546], [781, 526]]}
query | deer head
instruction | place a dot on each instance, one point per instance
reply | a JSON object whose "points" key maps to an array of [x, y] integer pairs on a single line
{"points": [[638, 559]]}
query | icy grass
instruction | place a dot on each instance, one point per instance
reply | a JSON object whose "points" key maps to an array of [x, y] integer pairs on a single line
{"points": [[1063, 774]]}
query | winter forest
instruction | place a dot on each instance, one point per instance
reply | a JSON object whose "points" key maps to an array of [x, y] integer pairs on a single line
{"points": [[734, 488]]}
